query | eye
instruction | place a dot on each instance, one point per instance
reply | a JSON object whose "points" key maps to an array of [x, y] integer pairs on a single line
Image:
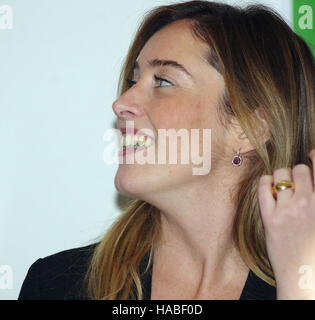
{"points": [[161, 81], [130, 83]]}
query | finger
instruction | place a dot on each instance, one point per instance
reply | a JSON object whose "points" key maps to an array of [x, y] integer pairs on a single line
{"points": [[312, 157], [302, 177], [266, 200], [283, 174]]}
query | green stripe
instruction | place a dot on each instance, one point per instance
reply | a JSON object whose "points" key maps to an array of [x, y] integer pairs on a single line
{"points": [[303, 20]]}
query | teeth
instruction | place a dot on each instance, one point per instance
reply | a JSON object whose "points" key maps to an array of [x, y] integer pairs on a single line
{"points": [[128, 140], [133, 140], [141, 140], [148, 142]]}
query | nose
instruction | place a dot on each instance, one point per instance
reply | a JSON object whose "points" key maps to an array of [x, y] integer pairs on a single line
{"points": [[126, 107]]}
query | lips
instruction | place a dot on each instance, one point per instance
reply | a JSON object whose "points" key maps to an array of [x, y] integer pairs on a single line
{"points": [[134, 140], [135, 131]]}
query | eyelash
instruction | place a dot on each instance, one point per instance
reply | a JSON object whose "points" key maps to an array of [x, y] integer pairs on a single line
{"points": [[131, 83]]}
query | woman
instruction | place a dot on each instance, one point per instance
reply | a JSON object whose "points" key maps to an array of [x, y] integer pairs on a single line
{"points": [[229, 233]]}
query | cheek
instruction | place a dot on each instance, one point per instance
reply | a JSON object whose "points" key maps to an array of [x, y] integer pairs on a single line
{"points": [[180, 114], [166, 116], [188, 114]]}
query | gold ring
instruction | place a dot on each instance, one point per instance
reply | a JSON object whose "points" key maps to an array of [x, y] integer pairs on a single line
{"points": [[282, 185]]}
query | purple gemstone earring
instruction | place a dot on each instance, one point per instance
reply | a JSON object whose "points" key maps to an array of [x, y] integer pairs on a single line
{"points": [[237, 159]]}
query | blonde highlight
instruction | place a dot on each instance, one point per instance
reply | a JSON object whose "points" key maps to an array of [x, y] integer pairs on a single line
{"points": [[252, 84]]}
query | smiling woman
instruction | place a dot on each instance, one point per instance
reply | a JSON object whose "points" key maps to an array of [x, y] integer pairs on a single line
{"points": [[244, 74]]}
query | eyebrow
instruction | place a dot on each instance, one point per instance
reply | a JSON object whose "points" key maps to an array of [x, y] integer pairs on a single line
{"points": [[162, 63]]}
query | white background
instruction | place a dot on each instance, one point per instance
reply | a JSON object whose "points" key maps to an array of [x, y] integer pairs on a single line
{"points": [[59, 67]]}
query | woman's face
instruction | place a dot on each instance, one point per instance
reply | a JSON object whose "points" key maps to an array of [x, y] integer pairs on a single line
{"points": [[183, 94]]}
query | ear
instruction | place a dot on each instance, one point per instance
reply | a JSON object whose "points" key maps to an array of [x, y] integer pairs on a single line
{"points": [[262, 131]]}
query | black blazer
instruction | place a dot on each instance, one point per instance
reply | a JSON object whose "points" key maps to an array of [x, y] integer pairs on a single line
{"points": [[60, 277]]}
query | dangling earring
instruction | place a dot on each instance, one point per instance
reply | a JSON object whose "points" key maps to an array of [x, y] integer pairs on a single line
{"points": [[237, 159]]}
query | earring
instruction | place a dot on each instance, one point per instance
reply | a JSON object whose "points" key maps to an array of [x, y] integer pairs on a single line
{"points": [[237, 159]]}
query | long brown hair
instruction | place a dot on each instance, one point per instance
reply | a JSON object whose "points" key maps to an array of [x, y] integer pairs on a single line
{"points": [[266, 67]]}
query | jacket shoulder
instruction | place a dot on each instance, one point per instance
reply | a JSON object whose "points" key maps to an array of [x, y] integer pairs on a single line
{"points": [[59, 276]]}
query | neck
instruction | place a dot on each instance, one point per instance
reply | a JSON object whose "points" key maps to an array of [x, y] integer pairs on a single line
{"points": [[197, 224]]}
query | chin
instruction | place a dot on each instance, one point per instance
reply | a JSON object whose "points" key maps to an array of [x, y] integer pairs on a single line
{"points": [[129, 182]]}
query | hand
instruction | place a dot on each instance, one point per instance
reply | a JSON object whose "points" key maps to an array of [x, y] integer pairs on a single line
{"points": [[289, 223]]}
